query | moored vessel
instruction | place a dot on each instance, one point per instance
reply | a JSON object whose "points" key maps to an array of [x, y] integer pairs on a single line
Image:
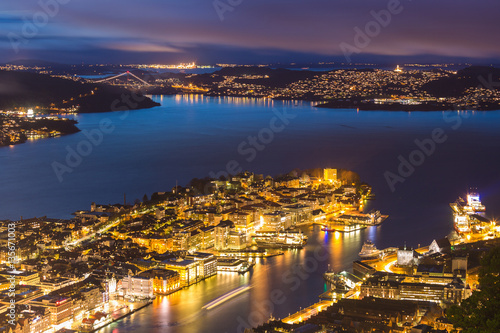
{"points": [[369, 250]]}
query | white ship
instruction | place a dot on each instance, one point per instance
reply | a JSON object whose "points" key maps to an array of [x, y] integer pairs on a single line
{"points": [[369, 250], [468, 213], [474, 204]]}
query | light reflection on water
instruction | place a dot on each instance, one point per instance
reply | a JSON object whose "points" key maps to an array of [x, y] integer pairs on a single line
{"points": [[182, 311], [193, 135]]}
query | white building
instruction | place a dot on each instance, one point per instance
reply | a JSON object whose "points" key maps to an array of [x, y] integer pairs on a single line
{"points": [[137, 286]]}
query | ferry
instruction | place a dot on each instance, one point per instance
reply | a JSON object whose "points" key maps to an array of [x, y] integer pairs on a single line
{"points": [[474, 204], [275, 239], [343, 227], [372, 218], [369, 251], [468, 213]]}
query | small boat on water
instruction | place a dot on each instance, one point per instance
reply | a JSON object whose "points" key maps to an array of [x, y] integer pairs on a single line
{"points": [[369, 251]]}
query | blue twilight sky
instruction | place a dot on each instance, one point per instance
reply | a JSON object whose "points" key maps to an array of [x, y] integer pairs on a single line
{"points": [[247, 31]]}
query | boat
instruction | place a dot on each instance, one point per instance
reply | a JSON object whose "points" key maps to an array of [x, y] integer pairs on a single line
{"points": [[474, 204], [369, 251], [468, 213], [343, 227], [284, 239]]}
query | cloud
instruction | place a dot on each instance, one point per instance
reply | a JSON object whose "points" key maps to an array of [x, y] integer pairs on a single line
{"points": [[443, 28], [130, 46]]}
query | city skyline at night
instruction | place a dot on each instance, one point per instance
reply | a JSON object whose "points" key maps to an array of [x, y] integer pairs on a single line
{"points": [[249, 166]]}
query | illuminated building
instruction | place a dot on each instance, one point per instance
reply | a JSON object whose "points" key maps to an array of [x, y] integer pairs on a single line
{"points": [[208, 263], [22, 277], [412, 288], [155, 243], [137, 286], [180, 241], [37, 318], [440, 246], [207, 237], [299, 213], [407, 256], [275, 221], [222, 234], [330, 174], [4, 283], [398, 69], [237, 240], [189, 270], [92, 298], [49, 285], [60, 307], [164, 281]]}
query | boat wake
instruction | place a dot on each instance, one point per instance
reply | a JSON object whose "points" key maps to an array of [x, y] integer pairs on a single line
{"points": [[226, 297]]}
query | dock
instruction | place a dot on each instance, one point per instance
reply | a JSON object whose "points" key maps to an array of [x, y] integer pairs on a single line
{"points": [[308, 312]]}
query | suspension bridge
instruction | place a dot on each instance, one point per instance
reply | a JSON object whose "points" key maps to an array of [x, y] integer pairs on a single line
{"points": [[128, 73]]}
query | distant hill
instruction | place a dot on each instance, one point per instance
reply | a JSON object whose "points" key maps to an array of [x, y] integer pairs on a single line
{"points": [[277, 78], [25, 89], [455, 85]]}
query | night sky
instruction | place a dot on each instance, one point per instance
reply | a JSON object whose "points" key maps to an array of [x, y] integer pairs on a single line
{"points": [[248, 31]]}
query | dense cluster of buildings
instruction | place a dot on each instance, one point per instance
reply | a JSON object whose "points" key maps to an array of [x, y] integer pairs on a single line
{"points": [[21, 125], [72, 272], [364, 84], [407, 291]]}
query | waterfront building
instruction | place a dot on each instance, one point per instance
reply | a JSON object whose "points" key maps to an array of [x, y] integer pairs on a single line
{"points": [[60, 307], [361, 269], [208, 263], [92, 298], [414, 288], [189, 270], [276, 221], [137, 286], [299, 213], [231, 265], [165, 281]]}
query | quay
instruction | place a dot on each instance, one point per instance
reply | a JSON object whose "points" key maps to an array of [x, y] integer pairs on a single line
{"points": [[116, 315], [308, 312]]}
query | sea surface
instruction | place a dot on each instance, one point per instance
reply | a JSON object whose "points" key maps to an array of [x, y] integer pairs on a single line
{"points": [[140, 152]]}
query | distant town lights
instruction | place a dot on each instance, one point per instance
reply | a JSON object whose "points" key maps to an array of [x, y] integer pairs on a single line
{"points": [[30, 113]]}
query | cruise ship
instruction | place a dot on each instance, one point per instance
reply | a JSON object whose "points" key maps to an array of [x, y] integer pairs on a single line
{"points": [[474, 204], [369, 251], [468, 213]]}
